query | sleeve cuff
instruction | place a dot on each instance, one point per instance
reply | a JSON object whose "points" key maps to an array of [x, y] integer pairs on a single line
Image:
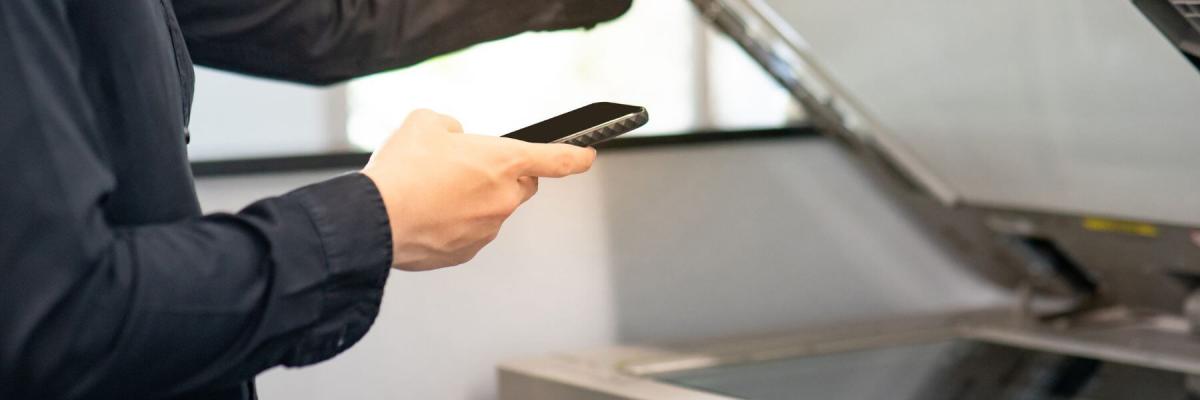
{"points": [[350, 218]]}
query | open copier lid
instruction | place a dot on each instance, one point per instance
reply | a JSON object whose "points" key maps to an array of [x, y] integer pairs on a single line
{"points": [[1052, 146], [1073, 106], [1049, 145]]}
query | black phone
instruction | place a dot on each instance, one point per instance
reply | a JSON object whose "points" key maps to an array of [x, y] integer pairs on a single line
{"points": [[585, 126]]}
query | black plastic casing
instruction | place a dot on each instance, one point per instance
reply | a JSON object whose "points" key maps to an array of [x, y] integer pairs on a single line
{"points": [[585, 126]]}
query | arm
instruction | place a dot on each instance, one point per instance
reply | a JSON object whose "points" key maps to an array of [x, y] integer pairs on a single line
{"points": [[90, 309], [326, 41]]}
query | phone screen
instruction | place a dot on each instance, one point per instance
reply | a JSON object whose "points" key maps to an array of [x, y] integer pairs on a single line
{"points": [[581, 119]]}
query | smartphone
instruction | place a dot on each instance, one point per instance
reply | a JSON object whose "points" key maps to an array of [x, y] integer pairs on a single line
{"points": [[585, 126]]}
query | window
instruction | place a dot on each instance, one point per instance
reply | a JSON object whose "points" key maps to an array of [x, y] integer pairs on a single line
{"points": [[659, 55]]}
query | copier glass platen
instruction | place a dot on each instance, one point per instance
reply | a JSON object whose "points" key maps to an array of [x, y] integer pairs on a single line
{"points": [[1050, 147], [961, 356]]}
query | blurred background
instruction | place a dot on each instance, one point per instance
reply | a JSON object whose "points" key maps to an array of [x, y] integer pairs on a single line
{"points": [[1069, 105], [609, 257]]}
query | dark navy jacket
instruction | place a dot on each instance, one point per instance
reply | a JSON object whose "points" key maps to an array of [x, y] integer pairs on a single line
{"points": [[112, 283]]}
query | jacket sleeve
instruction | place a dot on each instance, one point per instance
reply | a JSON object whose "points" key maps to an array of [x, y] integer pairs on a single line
{"points": [[89, 309], [326, 41]]}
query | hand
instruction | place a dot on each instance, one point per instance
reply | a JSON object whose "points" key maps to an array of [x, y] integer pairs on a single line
{"points": [[447, 193]]}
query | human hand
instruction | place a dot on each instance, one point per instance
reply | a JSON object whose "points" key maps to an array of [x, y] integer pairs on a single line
{"points": [[447, 193]]}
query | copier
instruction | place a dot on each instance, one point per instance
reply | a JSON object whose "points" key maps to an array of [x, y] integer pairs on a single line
{"points": [[1052, 147]]}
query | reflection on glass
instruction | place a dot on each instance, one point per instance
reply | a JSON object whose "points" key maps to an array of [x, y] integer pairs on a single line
{"points": [[939, 371]]}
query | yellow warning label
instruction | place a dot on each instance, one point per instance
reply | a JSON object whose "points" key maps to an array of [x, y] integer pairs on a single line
{"points": [[1117, 226]]}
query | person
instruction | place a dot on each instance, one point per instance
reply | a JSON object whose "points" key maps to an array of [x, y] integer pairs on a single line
{"points": [[112, 283]]}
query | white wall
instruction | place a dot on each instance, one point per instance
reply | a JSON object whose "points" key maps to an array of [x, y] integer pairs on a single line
{"points": [[653, 244], [238, 116]]}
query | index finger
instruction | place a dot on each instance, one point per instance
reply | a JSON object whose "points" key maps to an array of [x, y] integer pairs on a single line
{"points": [[554, 160]]}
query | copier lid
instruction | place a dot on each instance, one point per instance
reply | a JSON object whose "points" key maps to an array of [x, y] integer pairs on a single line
{"points": [[1079, 106]]}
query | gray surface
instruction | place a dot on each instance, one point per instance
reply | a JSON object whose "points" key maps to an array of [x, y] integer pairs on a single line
{"points": [[719, 240], [1075, 105]]}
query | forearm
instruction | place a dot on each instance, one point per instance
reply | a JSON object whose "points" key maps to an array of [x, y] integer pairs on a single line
{"points": [[160, 310]]}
